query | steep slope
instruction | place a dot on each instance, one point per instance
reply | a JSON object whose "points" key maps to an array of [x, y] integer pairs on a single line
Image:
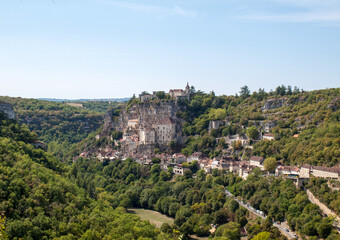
{"points": [[57, 124], [305, 125], [40, 202]]}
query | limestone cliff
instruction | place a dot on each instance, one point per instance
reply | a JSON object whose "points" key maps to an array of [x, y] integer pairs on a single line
{"points": [[146, 126], [7, 109]]}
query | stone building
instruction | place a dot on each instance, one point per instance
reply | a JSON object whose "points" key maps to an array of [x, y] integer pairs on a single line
{"points": [[326, 172], [307, 170], [268, 136], [145, 97], [179, 158], [133, 123], [165, 131], [147, 136], [196, 156], [215, 124], [233, 139], [180, 94], [289, 171], [257, 162], [179, 170]]}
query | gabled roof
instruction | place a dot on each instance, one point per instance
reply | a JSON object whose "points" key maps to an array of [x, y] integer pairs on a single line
{"points": [[165, 121], [257, 159], [327, 169]]}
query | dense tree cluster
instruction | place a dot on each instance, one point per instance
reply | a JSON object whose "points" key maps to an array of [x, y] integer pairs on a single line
{"points": [[194, 204], [39, 201], [57, 124], [320, 188], [314, 116], [279, 199]]}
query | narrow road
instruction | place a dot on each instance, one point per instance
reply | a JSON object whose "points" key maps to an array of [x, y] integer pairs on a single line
{"points": [[324, 209], [283, 229]]}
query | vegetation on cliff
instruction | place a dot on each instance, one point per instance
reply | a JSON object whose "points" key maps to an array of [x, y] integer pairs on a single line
{"points": [[58, 124], [313, 117]]}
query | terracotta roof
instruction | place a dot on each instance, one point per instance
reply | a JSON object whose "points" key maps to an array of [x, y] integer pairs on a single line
{"points": [[268, 135], [178, 155]]}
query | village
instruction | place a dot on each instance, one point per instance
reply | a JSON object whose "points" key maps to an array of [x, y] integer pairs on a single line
{"points": [[179, 162], [151, 126]]}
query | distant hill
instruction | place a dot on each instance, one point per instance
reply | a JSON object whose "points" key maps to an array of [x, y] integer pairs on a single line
{"points": [[58, 124], [85, 100]]}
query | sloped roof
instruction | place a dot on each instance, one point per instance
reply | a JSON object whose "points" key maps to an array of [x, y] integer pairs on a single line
{"points": [[257, 159]]}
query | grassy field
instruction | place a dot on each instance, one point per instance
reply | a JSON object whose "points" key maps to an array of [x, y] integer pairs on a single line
{"points": [[154, 217]]}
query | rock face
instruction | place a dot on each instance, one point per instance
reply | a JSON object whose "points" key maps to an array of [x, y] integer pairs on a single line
{"points": [[274, 103], [7, 109], [146, 126]]}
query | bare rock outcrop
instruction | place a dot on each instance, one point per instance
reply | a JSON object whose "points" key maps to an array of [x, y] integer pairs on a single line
{"points": [[7, 109]]}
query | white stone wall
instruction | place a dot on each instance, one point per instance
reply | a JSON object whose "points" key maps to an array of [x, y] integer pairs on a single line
{"points": [[165, 133], [146, 137], [304, 173], [325, 174]]}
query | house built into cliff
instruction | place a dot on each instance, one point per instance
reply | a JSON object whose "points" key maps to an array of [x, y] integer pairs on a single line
{"points": [[165, 131]]}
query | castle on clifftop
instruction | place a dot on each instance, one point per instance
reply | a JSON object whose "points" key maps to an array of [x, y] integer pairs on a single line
{"points": [[176, 94]]}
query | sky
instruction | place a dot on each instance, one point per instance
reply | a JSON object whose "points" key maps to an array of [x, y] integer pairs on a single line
{"points": [[113, 49]]}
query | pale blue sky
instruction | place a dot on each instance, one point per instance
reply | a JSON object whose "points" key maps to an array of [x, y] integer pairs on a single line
{"points": [[107, 48]]}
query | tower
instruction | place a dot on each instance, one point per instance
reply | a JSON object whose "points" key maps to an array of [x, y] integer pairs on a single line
{"points": [[187, 89]]}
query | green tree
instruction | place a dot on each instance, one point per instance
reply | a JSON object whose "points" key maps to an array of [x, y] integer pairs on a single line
{"points": [[263, 236], [3, 235], [217, 114], [230, 230], [160, 94], [270, 164], [324, 229], [252, 132], [245, 92]]}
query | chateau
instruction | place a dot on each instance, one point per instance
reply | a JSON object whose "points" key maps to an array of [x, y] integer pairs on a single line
{"points": [[176, 94]]}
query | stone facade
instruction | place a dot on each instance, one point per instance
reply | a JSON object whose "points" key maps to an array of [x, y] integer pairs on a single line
{"points": [[165, 131], [216, 124], [257, 162], [179, 170], [268, 136], [180, 94], [326, 172], [147, 136]]}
